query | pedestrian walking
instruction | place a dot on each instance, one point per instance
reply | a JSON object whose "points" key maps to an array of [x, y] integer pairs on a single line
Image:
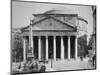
{"points": [[94, 60]]}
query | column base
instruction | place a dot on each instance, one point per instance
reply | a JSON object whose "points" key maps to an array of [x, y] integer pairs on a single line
{"points": [[68, 59], [62, 58], [76, 58]]}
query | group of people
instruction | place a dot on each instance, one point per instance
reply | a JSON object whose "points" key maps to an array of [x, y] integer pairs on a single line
{"points": [[93, 59], [31, 65], [28, 65]]}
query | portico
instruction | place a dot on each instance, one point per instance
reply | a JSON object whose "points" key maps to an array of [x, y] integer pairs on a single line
{"points": [[49, 45]]}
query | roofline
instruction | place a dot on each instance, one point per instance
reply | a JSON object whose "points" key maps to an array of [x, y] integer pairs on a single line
{"points": [[82, 19], [49, 17], [55, 14], [34, 23], [53, 30], [63, 22]]}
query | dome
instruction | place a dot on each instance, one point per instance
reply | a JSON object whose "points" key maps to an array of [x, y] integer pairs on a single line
{"points": [[60, 10]]}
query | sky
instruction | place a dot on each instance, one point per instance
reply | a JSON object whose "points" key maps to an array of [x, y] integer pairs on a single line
{"points": [[22, 12]]}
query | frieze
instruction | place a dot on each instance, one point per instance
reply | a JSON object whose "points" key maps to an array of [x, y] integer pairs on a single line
{"points": [[47, 33]]}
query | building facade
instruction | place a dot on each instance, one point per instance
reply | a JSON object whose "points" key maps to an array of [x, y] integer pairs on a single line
{"points": [[51, 36]]}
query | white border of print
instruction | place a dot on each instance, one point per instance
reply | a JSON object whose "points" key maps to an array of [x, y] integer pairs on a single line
{"points": [[5, 18]]}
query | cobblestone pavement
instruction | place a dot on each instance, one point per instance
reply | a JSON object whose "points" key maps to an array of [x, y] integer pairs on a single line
{"points": [[69, 65], [59, 65]]}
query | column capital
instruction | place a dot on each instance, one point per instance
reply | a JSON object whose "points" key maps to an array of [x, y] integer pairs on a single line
{"points": [[76, 36], [23, 37], [54, 37], [39, 36], [69, 36], [61, 36], [46, 37]]}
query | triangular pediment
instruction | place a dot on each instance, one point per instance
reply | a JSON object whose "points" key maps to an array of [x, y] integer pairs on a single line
{"points": [[51, 24]]}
